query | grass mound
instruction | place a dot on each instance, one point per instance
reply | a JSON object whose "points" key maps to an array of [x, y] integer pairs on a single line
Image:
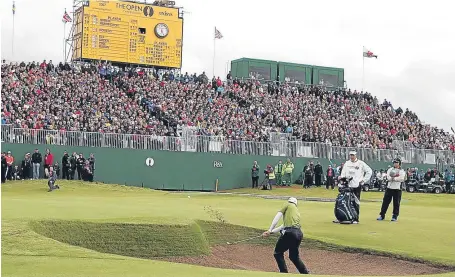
{"points": [[221, 233], [133, 240]]}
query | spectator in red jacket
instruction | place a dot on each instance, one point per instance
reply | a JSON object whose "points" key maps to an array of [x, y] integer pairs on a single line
{"points": [[48, 162]]}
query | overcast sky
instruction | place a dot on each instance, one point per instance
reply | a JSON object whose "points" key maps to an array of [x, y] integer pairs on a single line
{"points": [[415, 42]]}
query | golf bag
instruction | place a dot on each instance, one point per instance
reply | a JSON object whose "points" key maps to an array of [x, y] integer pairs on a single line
{"points": [[346, 203]]}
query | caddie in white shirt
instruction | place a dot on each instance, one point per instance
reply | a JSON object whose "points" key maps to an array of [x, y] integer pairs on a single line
{"points": [[395, 176], [360, 173]]}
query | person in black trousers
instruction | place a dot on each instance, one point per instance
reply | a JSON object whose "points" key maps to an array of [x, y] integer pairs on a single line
{"points": [[66, 166], [26, 167], [318, 174], [92, 161], [308, 173], [4, 167], [330, 178], [255, 174], [291, 236], [80, 162], [395, 176]]}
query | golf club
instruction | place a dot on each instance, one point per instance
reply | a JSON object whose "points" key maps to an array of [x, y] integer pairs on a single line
{"points": [[230, 243]]}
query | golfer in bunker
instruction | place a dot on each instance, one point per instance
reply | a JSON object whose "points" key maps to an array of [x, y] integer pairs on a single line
{"points": [[291, 236]]}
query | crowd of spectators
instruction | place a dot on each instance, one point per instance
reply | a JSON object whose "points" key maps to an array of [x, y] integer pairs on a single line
{"points": [[34, 166], [103, 98]]}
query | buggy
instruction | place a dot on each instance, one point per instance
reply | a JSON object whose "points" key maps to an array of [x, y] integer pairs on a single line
{"points": [[432, 186], [375, 184]]}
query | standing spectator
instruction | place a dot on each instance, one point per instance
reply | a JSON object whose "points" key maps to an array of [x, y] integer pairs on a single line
{"points": [[66, 166], [287, 170], [48, 162], [57, 169], [255, 174], [335, 172], [26, 167], [9, 163], [279, 173], [80, 162], [270, 173], [92, 160], [318, 174], [330, 178], [73, 165], [88, 173], [4, 167], [308, 172], [37, 159], [448, 179]]}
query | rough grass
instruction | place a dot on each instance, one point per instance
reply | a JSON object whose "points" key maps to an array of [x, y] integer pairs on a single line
{"points": [[134, 240]]}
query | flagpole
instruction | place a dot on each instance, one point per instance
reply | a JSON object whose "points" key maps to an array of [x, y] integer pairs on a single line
{"points": [[363, 68], [12, 40], [64, 43], [214, 46]]}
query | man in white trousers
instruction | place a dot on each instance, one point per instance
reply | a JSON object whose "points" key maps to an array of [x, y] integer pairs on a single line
{"points": [[360, 173]]}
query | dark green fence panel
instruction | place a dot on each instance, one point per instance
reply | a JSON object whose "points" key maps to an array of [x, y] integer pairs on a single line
{"points": [[173, 170]]}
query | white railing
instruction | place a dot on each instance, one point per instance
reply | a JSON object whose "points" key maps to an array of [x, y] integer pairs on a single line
{"points": [[218, 144]]}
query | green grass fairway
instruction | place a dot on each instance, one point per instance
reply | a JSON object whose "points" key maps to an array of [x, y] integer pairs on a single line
{"points": [[45, 234], [420, 199]]}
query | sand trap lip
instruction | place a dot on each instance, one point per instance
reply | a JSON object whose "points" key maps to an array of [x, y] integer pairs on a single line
{"points": [[323, 262]]}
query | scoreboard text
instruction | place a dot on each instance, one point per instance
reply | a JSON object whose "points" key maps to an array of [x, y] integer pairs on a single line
{"points": [[129, 33]]}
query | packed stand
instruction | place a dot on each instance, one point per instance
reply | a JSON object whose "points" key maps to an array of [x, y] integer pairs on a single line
{"points": [[103, 98]]}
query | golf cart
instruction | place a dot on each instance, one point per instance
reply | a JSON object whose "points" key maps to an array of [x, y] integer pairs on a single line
{"points": [[375, 184], [432, 186]]}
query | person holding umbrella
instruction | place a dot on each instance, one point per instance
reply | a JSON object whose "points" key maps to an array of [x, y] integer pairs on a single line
{"points": [[290, 238]]}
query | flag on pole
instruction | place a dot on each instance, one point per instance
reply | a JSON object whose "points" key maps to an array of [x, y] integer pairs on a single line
{"points": [[14, 7], [218, 34], [368, 54], [66, 18]]}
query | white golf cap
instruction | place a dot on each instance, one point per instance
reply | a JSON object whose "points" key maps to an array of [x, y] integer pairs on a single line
{"points": [[292, 200], [352, 152]]}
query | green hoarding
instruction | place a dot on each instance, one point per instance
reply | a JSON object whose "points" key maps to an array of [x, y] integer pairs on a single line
{"points": [[259, 69], [172, 170], [328, 76], [293, 73]]}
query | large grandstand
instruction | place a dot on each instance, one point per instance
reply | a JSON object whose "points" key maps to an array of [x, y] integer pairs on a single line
{"points": [[190, 112]]}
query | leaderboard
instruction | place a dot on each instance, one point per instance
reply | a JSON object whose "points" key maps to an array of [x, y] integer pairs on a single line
{"points": [[130, 33]]}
